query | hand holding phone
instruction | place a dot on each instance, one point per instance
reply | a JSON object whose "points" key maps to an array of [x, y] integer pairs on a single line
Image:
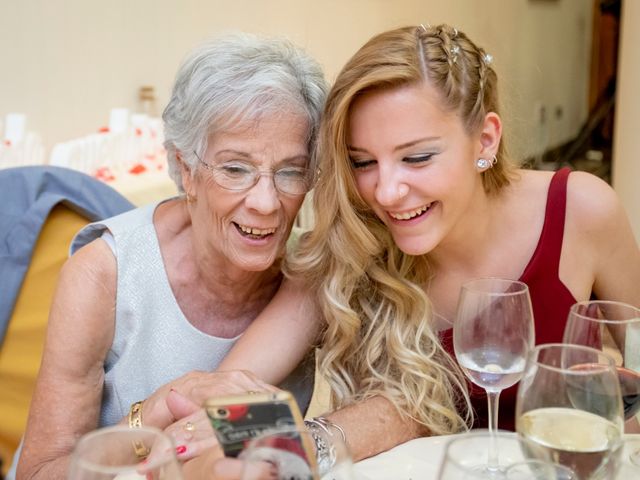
{"points": [[239, 418]]}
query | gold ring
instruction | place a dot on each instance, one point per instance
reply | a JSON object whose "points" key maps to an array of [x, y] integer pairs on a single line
{"points": [[189, 427], [252, 392]]}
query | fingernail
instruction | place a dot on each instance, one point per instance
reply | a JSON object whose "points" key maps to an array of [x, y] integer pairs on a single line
{"points": [[180, 449]]}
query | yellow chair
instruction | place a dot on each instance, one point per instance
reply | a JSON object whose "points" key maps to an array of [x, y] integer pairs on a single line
{"points": [[22, 347]]}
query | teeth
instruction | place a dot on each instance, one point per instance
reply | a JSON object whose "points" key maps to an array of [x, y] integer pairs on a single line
{"points": [[411, 214], [256, 231]]}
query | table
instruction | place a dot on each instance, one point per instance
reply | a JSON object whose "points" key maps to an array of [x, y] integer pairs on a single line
{"points": [[419, 459]]}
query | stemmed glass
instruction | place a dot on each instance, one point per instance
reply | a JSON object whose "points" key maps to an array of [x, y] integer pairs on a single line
{"points": [[122, 453], [613, 327], [569, 409], [290, 453], [463, 454], [492, 334]]}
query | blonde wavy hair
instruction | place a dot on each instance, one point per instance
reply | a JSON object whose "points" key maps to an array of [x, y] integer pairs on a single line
{"points": [[379, 338]]}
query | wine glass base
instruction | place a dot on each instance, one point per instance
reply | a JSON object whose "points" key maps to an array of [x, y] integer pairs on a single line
{"points": [[493, 473]]}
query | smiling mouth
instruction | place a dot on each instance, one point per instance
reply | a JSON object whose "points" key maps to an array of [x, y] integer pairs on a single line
{"points": [[253, 232], [418, 212]]}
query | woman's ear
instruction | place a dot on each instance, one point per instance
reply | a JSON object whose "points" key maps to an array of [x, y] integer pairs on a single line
{"points": [[490, 135], [185, 173]]}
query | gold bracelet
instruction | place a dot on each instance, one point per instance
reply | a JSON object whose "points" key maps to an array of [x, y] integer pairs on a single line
{"points": [[135, 415], [135, 421]]}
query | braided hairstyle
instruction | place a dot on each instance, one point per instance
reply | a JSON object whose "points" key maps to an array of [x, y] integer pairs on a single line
{"points": [[461, 71]]}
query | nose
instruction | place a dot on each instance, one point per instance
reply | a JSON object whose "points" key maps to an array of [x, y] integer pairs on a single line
{"points": [[263, 196], [390, 187]]}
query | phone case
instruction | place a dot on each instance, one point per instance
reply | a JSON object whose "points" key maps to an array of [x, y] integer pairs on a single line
{"points": [[238, 419]]}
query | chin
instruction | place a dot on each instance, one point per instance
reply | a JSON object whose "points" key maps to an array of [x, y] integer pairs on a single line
{"points": [[413, 247], [259, 264]]}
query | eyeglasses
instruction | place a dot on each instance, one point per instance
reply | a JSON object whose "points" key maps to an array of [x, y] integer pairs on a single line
{"points": [[237, 175]]}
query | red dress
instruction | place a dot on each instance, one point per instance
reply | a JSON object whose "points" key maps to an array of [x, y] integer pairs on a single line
{"points": [[550, 298]]}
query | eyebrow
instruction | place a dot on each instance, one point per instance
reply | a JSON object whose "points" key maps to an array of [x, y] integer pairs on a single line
{"points": [[247, 156], [398, 147]]}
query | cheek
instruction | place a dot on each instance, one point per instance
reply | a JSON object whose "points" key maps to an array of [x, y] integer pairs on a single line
{"points": [[291, 208], [366, 185]]}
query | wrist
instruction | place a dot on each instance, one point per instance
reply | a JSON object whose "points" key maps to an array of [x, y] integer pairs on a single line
{"points": [[325, 435]]}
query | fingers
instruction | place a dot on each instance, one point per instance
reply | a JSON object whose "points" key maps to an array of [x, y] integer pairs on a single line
{"points": [[192, 435], [180, 406], [181, 397], [195, 448], [227, 383]]}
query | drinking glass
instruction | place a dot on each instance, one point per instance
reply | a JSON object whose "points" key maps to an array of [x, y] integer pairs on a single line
{"points": [[120, 453], [569, 409], [465, 456], [492, 334], [538, 470], [290, 453], [613, 327]]}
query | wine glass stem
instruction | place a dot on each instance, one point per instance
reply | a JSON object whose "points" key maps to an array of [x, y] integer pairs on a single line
{"points": [[493, 399]]}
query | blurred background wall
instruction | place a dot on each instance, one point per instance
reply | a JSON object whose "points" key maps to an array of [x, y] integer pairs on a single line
{"points": [[67, 63]]}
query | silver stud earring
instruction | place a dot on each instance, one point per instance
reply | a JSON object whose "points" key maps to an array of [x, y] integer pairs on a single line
{"points": [[483, 164]]}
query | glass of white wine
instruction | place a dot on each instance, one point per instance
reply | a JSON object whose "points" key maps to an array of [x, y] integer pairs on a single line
{"points": [[123, 453], [569, 409]]}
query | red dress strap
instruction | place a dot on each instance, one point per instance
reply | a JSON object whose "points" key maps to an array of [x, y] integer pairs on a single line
{"points": [[546, 257]]}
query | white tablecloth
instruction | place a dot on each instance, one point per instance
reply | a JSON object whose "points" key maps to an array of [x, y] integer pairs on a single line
{"points": [[420, 459]]}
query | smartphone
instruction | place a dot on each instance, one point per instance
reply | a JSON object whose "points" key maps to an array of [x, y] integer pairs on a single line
{"points": [[239, 418]]}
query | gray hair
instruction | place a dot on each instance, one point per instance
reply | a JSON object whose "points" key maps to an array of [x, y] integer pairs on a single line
{"points": [[237, 78]]}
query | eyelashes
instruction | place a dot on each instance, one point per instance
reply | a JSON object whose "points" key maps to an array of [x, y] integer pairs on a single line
{"points": [[422, 158], [359, 164]]}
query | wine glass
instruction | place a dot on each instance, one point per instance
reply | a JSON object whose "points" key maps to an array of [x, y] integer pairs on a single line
{"points": [[123, 453], [291, 453], [569, 409], [613, 327], [465, 455], [492, 335], [538, 470]]}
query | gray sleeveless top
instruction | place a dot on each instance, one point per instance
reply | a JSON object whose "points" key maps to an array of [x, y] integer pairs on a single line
{"points": [[154, 343]]}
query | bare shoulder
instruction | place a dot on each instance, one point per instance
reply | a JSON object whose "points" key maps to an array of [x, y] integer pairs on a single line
{"points": [[592, 205], [83, 307], [529, 185]]}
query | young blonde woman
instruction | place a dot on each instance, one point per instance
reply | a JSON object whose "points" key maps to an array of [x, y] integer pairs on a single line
{"points": [[416, 196]]}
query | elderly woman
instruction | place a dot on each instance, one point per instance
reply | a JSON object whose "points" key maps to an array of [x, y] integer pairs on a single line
{"points": [[163, 292]]}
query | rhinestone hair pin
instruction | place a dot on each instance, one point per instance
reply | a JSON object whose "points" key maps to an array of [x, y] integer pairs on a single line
{"points": [[488, 58], [455, 50]]}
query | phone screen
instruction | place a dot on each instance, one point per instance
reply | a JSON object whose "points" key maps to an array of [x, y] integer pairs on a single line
{"points": [[236, 423]]}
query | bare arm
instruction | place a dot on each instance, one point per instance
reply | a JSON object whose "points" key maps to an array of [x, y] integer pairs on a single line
{"points": [[618, 258], [605, 242], [66, 400], [599, 239], [373, 426], [278, 339]]}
